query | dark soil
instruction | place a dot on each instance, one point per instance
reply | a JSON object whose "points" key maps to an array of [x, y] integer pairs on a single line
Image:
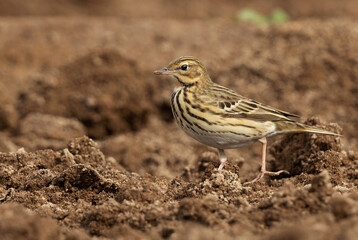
{"points": [[89, 149]]}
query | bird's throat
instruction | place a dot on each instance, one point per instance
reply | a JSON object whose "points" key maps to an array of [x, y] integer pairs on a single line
{"points": [[188, 81]]}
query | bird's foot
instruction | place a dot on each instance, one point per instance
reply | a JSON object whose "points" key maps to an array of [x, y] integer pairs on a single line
{"points": [[222, 164], [262, 174]]}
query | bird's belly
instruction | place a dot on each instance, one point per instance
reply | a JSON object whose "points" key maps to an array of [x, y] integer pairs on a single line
{"points": [[223, 140]]}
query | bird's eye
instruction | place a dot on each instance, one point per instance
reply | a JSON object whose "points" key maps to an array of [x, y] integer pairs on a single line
{"points": [[184, 67]]}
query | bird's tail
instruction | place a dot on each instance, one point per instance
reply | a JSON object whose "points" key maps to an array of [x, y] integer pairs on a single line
{"points": [[295, 127]]}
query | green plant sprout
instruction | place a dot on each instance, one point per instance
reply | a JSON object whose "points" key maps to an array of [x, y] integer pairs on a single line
{"points": [[277, 16]]}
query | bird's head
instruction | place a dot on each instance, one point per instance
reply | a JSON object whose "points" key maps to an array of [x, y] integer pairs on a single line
{"points": [[187, 70]]}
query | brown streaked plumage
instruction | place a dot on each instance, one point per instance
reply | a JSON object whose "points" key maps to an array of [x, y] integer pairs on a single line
{"points": [[219, 117]]}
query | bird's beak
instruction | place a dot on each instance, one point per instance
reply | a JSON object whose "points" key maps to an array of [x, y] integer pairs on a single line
{"points": [[164, 71]]}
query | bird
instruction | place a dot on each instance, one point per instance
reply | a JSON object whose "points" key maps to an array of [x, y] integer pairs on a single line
{"points": [[221, 118]]}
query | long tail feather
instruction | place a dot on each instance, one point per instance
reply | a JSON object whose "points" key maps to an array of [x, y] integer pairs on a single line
{"points": [[291, 126]]}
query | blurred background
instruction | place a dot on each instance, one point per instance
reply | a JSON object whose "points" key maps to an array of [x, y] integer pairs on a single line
{"points": [[84, 67]]}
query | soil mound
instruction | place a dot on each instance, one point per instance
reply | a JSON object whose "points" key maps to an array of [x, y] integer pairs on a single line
{"points": [[112, 99], [82, 189]]}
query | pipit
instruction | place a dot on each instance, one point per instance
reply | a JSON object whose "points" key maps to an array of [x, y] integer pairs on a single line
{"points": [[219, 117]]}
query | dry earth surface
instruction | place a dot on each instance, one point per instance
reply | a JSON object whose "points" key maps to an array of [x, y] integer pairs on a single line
{"points": [[89, 149]]}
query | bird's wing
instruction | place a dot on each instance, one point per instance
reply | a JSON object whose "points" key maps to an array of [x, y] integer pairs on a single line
{"points": [[231, 104]]}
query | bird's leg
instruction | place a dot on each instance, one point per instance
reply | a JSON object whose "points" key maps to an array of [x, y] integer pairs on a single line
{"points": [[222, 158], [263, 164]]}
